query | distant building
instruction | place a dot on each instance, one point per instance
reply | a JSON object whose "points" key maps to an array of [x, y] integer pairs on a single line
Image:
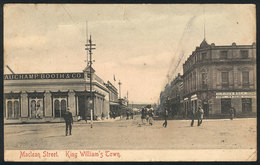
{"points": [[174, 92], [218, 77], [46, 96], [113, 97]]}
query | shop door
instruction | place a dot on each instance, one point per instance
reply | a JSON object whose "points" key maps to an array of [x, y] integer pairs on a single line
{"points": [[205, 107], [246, 105], [225, 105], [82, 107]]}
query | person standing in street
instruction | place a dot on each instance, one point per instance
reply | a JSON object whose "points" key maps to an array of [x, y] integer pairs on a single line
{"points": [[68, 120], [200, 115], [143, 115], [165, 118], [231, 113], [192, 116]]}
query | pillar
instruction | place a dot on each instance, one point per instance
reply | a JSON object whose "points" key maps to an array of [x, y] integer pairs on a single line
{"points": [[72, 103], [24, 105], [48, 104], [254, 104]]}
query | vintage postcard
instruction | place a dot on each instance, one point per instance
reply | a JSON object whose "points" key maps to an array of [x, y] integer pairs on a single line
{"points": [[130, 82]]}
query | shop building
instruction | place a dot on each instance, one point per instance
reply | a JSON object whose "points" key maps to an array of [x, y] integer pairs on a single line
{"points": [[174, 92], [46, 96], [220, 77]]}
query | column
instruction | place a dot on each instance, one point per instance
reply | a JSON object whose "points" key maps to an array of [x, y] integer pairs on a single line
{"points": [[48, 104], [254, 104], [71, 102], [24, 105]]}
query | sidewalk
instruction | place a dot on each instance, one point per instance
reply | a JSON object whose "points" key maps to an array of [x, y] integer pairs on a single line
{"points": [[53, 120]]}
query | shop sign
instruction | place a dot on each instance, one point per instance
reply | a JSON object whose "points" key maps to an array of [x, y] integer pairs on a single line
{"points": [[194, 97], [235, 95], [35, 76]]}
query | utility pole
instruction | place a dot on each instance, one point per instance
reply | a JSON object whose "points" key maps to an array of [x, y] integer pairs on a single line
{"points": [[119, 83], [90, 48]]}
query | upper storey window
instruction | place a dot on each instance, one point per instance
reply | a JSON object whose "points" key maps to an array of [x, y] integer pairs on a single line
{"points": [[244, 54], [203, 56], [223, 55]]}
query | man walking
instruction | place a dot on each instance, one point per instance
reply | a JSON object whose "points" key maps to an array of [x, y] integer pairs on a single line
{"points": [[68, 120], [165, 118], [200, 115]]}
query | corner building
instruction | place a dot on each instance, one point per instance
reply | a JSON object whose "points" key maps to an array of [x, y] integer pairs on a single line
{"points": [[218, 77], [49, 95]]}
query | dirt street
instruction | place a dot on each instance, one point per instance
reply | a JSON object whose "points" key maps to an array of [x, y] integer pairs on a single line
{"points": [[132, 134]]}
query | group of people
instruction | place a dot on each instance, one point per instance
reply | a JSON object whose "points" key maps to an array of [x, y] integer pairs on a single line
{"points": [[147, 115], [129, 115], [198, 114]]}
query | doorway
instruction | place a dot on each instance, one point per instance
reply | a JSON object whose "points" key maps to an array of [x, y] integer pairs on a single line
{"points": [[83, 107], [246, 105], [205, 107], [225, 105]]}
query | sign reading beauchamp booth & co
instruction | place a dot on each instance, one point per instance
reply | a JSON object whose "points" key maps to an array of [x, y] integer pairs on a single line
{"points": [[35, 76], [235, 95]]}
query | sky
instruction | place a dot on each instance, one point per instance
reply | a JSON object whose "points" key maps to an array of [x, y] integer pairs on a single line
{"points": [[138, 43]]}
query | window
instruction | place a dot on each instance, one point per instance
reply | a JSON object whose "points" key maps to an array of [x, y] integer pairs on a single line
{"points": [[225, 105], [245, 78], [223, 55], [224, 77], [204, 79], [246, 105], [203, 56], [244, 54]]}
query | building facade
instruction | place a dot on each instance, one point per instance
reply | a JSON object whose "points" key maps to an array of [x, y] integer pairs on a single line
{"points": [[113, 99], [220, 77], [173, 92], [46, 96]]}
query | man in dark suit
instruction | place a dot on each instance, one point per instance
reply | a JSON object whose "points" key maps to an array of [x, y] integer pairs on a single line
{"points": [[68, 120]]}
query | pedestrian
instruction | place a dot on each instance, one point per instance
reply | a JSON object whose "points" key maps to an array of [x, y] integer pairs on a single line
{"points": [[147, 114], [151, 117], [165, 118], [127, 115], [143, 115], [68, 120], [192, 116], [132, 115], [200, 115], [232, 113]]}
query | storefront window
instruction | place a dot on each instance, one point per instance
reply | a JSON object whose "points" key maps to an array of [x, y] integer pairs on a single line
{"points": [[60, 106], [246, 105], [225, 105], [9, 109], [16, 109]]}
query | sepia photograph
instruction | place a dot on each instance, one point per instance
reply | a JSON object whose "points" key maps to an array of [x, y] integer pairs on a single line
{"points": [[129, 82]]}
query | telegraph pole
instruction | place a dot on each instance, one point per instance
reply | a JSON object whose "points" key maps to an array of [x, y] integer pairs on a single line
{"points": [[119, 83], [90, 48]]}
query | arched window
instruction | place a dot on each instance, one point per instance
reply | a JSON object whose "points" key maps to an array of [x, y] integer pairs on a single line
{"points": [[33, 108], [57, 108], [10, 109], [39, 109], [16, 109], [63, 107]]}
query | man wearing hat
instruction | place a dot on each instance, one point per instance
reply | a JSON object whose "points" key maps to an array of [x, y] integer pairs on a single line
{"points": [[68, 120]]}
